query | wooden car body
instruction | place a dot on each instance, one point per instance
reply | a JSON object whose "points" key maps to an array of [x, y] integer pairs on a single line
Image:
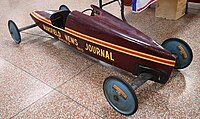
{"points": [[107, 38]]}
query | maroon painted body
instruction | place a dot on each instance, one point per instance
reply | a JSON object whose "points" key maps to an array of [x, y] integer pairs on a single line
{"points": [[111, 40]]}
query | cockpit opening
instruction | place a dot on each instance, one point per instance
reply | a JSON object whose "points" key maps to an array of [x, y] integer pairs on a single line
{"points": [[58, 19]]}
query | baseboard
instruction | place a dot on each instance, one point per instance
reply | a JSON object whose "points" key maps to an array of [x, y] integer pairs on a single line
{"points": [[193, 5]]}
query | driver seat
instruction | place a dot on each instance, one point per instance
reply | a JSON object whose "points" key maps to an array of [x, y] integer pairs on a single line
{"points": [[58, 19]]}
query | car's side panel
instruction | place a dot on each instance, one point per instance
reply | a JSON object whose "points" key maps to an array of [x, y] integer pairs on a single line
{"points": [[132, 60]]}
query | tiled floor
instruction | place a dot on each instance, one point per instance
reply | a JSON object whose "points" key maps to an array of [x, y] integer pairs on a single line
{"points": [[43, 78]]}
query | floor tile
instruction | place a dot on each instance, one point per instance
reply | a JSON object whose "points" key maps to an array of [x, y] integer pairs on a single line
{"points": [[86, 88], [182, 92], [52, 63], [49, 60], [184, 28], [17, 89], [54, 106], [143, 20], [40, 56], [155, 100], [140, 21]]}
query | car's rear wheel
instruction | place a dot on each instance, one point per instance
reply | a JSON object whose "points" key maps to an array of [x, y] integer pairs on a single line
{"points": [[181, 50], [120, 95]]}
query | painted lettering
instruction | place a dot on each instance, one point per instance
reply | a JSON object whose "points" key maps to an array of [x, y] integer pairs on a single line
{"points": [[52, 31], [107, 55], [71, 40], [98, 51], [102, 53]]}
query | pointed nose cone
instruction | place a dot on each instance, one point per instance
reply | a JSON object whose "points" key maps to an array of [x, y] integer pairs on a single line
{"points": [[43, 14]]}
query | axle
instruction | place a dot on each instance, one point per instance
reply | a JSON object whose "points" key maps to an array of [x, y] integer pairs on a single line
{"points": [[27, 27], [140, 80], [15, 31]]}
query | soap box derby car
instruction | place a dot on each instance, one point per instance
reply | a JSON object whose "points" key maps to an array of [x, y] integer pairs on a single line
{"points": [[107, 38]]}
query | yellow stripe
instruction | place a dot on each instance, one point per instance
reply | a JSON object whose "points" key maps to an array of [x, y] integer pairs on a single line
{"points": [[119, 46], [70, 32], [128, 52]]}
